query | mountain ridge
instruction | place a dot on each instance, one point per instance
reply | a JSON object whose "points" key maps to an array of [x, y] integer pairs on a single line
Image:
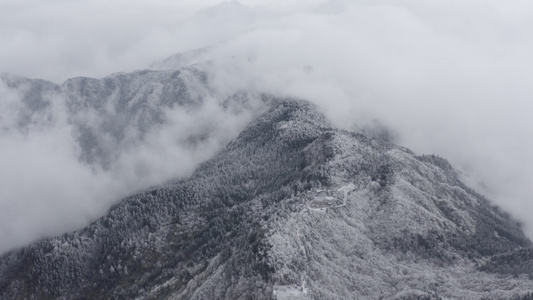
{"points": [[292, 206]]}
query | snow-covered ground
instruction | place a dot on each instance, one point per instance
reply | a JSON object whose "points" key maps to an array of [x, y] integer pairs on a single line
{"points": [[290, 292]]}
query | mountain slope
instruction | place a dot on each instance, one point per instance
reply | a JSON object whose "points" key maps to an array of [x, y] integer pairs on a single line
{"points": [[292, 206]]}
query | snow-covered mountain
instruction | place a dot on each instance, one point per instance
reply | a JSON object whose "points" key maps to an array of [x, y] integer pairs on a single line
{"points": [[112, 113], [291, 208]]}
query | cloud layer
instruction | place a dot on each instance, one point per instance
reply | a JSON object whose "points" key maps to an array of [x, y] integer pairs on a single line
{"points": [[47, 188], [451, 78]]}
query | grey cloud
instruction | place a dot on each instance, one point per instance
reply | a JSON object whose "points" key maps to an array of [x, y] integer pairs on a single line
{"points": [[102, 140]]}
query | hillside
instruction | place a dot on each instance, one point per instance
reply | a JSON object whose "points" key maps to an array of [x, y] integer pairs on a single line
{"points": [[292, 207]]}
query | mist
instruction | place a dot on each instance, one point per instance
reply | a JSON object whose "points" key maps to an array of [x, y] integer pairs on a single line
{"points": [[451, 78]]}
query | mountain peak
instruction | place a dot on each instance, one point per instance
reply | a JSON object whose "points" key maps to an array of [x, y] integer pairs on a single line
{"points": [[292, 206]]}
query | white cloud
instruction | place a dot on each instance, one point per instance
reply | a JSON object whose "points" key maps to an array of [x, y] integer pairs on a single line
{"points": [[46, 190], [451, 78]]}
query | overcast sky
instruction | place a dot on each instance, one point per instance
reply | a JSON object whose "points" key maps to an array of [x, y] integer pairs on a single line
{"points": [[453, 78]]}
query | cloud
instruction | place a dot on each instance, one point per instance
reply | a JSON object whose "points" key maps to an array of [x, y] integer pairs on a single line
{"points": [[449, 77], [59, 39], [46, 189]]}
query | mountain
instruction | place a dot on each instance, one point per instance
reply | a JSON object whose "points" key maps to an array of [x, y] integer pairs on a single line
{"points": [[108, 115], [185, 59], [292, 208]]}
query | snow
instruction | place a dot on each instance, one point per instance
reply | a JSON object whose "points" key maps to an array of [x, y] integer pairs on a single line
{"points": [[321, 200], [290, 292]]}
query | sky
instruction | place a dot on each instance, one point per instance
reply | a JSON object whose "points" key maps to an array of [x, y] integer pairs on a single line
{"points": [[451, 78]]}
